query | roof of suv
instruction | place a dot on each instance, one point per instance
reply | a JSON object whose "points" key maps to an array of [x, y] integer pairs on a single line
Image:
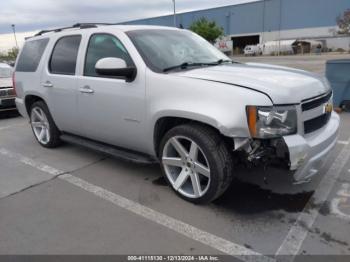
{"points": [[98, 27], [142, 27]]}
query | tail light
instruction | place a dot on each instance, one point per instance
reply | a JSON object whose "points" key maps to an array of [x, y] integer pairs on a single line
{"points": [[14, 84]]}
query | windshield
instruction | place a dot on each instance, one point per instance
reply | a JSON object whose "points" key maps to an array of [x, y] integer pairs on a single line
{"points": [[5, 72], [162, 49]]}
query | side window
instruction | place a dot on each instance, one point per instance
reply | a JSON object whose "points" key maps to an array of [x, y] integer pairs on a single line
{"points": [[102, 46], [31, 54], [64, 55]]}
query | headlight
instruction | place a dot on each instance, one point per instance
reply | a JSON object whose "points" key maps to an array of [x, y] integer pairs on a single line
{"points": [[270, 122]]}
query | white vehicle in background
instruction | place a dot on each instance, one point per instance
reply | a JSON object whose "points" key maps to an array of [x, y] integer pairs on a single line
{"points": [[252, 50]]}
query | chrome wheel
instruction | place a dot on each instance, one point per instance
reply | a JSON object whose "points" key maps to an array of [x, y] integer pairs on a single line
{"points": [[40, 125], [186, 167]]}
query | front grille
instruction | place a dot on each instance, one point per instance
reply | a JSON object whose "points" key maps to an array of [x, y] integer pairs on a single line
{"points": [[316, 123], [316, 103], [313, 110]]}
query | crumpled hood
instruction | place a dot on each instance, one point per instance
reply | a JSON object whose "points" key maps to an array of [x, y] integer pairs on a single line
{"points": [[282, 84], [5, 82]]}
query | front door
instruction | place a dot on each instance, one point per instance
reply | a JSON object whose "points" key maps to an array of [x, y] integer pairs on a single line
{"points": [[111, 110]]}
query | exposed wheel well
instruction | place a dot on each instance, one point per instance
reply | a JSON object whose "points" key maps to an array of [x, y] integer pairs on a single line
{"points": [[164, 124], [30, 100]]}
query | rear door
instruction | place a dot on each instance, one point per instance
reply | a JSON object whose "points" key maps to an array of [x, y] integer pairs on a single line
{"points": [[60, 83]]}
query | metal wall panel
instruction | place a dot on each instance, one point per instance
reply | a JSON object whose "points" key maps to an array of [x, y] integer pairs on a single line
{"points": [[251, 18]]}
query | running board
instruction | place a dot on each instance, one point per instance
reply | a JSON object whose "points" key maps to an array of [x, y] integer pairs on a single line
{"points": [[113, 151], [8, 109]]}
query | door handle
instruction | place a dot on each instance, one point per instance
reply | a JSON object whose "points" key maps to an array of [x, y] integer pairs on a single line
{"points": [[47, 84], [86, 90]]}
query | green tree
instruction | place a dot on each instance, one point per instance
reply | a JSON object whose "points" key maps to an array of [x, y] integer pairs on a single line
{"points": [[2, 55], [343, 22], [207, 29], [12, 53]]}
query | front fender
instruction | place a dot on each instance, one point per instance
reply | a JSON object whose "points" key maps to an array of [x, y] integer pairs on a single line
{"points": [[195, 116], [219, 105]]}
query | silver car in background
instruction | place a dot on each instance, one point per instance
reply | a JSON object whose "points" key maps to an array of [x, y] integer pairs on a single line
{"points": [[7, 92]]}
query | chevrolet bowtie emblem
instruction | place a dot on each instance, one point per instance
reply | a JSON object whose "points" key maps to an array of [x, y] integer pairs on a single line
{"points": [[328, 108]]}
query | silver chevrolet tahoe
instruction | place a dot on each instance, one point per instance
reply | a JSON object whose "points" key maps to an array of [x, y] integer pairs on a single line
{"points": [[159, 94]]}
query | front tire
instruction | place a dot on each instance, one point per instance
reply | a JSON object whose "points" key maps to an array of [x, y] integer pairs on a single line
{"points": [[43, 126], [196, 163]]}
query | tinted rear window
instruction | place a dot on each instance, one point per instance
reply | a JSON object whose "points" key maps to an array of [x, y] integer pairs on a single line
{"points": [[31, 55], [64, 56]]}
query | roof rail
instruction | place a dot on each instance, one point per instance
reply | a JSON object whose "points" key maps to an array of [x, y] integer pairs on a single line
{"points": [[78, 25], [89, 25]]}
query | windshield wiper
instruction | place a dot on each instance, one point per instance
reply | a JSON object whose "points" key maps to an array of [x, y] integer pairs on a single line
{"points": [[187, 65], [221, 61]]}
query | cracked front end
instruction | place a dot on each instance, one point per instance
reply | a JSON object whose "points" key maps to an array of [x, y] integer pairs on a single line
{"points": [[299, 136], [308, 153]]}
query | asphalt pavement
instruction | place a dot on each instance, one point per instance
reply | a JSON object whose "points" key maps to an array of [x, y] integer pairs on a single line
{"points": [[309, 62]]}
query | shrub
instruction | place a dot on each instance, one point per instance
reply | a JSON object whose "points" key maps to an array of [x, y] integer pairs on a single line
{"points": [[207, 29]]}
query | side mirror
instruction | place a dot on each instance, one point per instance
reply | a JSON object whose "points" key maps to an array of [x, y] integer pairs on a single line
{"points": [[115, 67]]}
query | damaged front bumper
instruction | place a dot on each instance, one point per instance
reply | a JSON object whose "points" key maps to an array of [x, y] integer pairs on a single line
{"points": [[303, 155], [307, 153]]}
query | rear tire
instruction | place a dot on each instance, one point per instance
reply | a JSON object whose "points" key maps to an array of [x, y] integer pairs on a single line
{"points": [[43, 126], [196, 162]]}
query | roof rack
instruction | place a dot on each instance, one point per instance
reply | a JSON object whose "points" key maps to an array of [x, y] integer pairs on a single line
{"points": [[78, 25]]}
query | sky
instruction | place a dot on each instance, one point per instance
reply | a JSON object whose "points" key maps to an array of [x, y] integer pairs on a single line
{"points": [[32, 15]]}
